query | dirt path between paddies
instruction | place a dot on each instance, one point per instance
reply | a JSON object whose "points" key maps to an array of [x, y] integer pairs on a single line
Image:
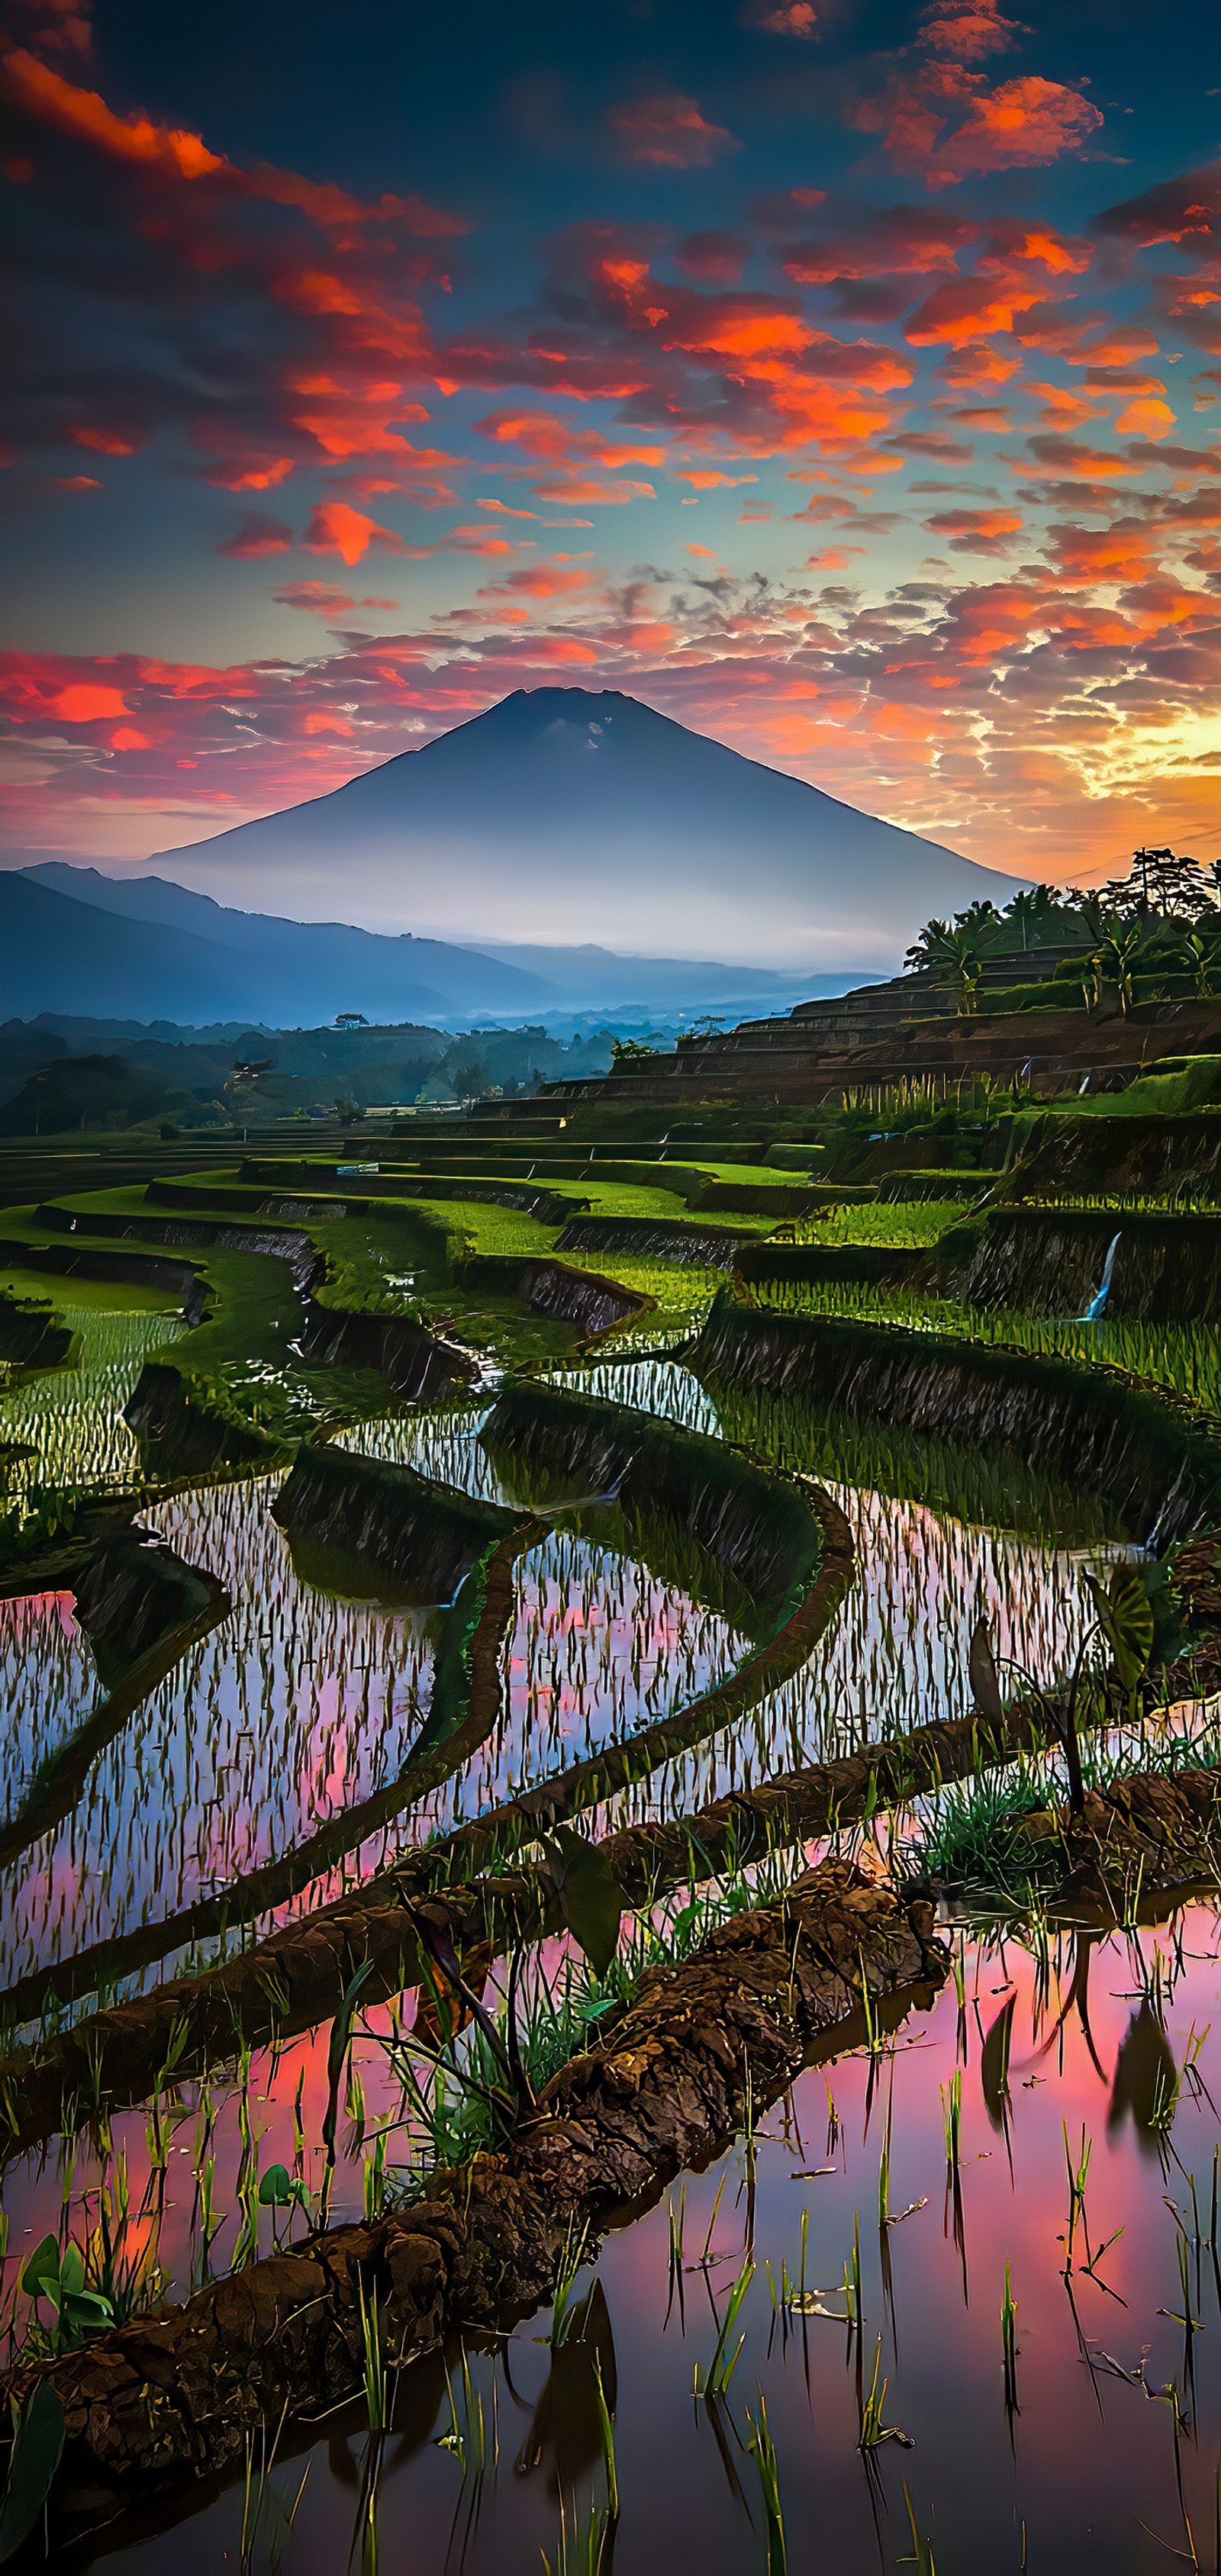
{"points": [[668, 2088]]}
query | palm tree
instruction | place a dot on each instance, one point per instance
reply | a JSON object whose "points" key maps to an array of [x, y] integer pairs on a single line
{"points": [[956, 952], [1199, 959], [1038, 912], [1092, 910], [1116, 960]]}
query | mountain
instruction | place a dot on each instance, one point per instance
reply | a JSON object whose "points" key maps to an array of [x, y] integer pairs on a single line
{"points": [[71, 941], [569, 815], [301, 967], [162, 952]]}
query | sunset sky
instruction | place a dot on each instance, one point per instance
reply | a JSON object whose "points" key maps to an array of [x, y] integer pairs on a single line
{"points": [[844, 380]]}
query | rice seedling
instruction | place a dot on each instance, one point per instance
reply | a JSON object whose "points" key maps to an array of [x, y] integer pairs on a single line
{"points": [[922, 2558], [874, 2430], [675, 2223], [585, 2545], [1009, 2349], [713, 2383], [762, 2450], [268, 2519], [374, 2357]]}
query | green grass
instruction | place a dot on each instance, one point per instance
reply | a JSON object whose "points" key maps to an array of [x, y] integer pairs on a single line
{"points": [[917, 1222], [100, 1296], [68, 1420], [977, 1838], [1184, 1359], [683, 1294]]}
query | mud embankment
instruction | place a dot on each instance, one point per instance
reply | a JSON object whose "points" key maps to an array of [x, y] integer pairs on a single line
{"points": [[1166, 1270], [32, 1336], [179, 1435], [141, 1606], [64, 1261], [585, 1299], [52, 1559], [192, 1234], [134, 1591], [375, 1531], [666, 2088], [757, 1527], [646, 1238], [1156, 1469], [377, 1195], [1057, 1151], [417, 1364]]}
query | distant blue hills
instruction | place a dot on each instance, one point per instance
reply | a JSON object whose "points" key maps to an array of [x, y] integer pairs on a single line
{"points": [[74, 942]]}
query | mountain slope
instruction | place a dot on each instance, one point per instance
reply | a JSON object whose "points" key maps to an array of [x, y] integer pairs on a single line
{"points": [[571, 815], [299, 962], [61, 953]]}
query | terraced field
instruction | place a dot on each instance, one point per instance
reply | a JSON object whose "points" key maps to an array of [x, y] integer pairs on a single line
{"points": [[609, 1947]]}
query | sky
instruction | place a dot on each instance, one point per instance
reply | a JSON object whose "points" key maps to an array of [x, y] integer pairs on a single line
{"points": [[843, 380]]}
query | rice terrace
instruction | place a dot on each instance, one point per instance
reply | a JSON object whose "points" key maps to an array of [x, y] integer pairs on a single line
{"points": [[610, 1290], [610, 1931]]}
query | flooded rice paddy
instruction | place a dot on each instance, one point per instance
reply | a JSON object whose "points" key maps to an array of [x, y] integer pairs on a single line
{"points": [[918, 2318], [1081, 2206], [63, 1428]]}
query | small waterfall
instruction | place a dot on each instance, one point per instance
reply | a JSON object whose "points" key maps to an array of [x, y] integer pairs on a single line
{"points": [[1097, 1303]]}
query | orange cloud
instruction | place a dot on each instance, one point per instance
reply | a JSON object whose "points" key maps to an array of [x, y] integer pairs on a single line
{"points": [[970, 29], [44, 94], [781, 18], [1120, 553], [943, 121], [669, 132], [87, 704], [540, 581], [336, 529], [967, 309], [104, 442], [976, 532], [320, 596]]}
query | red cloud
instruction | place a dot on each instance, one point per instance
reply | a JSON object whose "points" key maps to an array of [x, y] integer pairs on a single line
{"points": [[967, 309], [49, 99], [194, 230], [944, 122], [976, 532], [968, 28], [1187, 210], [257, 534], [321, 596], [336, 529], [781, 18], [44, 94], [669, 132], [540, 581], [896, 240], [87, 704], [1119, 553]]}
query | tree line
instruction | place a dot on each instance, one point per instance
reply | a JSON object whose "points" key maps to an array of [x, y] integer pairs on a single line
{"points": [[1162, 918]]}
